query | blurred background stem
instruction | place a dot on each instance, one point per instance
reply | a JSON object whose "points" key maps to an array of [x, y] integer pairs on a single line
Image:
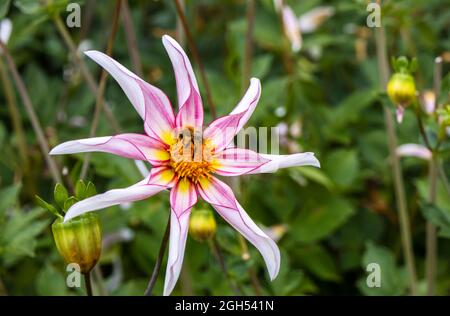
{"points": [[99, 101], [196, 56], [40, 135], [383, 68], [83, 68], [214, 245], [16, 119], [431, 238]]}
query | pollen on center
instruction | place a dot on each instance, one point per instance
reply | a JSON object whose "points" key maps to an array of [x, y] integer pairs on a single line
{"points": [[191, 156]]}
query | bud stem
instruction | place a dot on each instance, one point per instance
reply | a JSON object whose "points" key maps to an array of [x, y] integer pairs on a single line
{"points": [[88, 283]]}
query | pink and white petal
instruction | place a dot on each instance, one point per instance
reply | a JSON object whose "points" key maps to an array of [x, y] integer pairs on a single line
{"points": [[191, 113], [222, 131], [179, 226], [221, 197], [216, 192], [189, 100], [185, 77], [150, 102], [133, 146], [312, 19], [414, 150], [291, 28], [139, 191], [237, 161], [182, 196], [163, 176], [286, 161]]}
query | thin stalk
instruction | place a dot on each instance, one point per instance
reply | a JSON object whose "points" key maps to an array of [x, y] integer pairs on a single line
{"points": [[88, 283], [179, 27], [101, 87], [196, 56], [408, 253], [437, 77], [431, 236], [247, 63], [214, 245], [131, 38], [26, 100], [83, 68], [14, 113], [246, 73], [157, 267]]}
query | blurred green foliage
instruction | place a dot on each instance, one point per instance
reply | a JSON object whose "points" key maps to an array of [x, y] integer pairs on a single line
{"points": [[338, 218]]}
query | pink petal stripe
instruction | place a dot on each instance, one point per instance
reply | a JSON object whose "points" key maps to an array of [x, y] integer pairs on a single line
{"points": [[286, 161], [221, 131], [221, 197], [237, 161], [179, 226], [189, 100], [150, 102], [138, 191], [133, 146]]}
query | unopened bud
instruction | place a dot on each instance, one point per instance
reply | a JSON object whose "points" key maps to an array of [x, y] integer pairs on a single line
{"points": [[79, 240], [202, 225], [401, 89]]}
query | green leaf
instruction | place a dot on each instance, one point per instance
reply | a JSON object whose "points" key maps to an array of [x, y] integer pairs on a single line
{"points": [[47, 206], [28, 6], [60, 195], [51, 282], [4, 8], [438, 217], [393, 278], [313, 174], [8, 197], [90, 190], [342, 166], [317, 223], [316, 260], [18, 236], [80, 190], [69, 202]]}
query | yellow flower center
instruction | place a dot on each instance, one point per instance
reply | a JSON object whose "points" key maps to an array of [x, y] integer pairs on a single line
{"points": [[191, 156]]}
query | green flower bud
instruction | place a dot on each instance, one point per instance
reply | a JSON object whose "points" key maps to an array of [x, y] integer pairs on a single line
{"points": [[401, 89], [79, 240], [202, 225]]}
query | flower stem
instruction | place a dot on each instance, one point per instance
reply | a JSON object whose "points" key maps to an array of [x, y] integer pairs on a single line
{"points": [[157, 267], [26, 100], [408, 253], [214, 245], [88, 283], [196, 56], [101, 87]]}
